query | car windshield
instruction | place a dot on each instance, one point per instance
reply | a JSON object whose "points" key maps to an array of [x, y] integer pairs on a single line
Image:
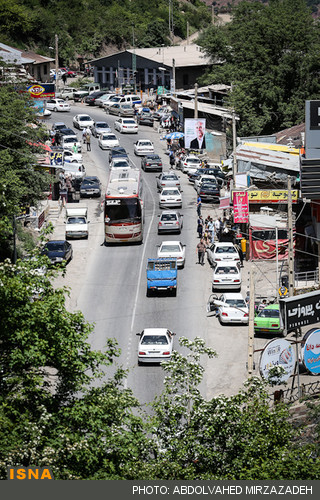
{"points": [[170, 248], [76, 220], [102, 125], [84, 118], [154, 340], [110, 137], [126, 106], [226, 270], [269, 313], [236, 302], [54, 247], [226, 250], [89, 182], [169, 178], [171, 192], [129, 122], [169, 217], [70, 139], [145, 143], [120, 164]]}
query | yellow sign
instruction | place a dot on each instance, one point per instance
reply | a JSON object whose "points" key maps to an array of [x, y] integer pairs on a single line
{"points": [[272, 196], [283, 291]]}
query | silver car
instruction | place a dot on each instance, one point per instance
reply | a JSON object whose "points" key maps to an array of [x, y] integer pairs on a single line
{"points": [[168, 179], [170, 221], [100, 128]]}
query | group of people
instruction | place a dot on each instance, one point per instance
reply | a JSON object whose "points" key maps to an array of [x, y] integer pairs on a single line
{"points": [[65, 188]]}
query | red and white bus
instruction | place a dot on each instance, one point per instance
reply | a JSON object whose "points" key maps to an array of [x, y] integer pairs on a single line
{"points": [[123, 208]]}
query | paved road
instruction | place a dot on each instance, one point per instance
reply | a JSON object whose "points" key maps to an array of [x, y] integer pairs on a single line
{"points": [[108, 284]]}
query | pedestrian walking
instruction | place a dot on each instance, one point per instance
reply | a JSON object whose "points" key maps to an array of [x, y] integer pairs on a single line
{"points": [[199, 206], [75, 148], [201, 248], [63, 190], [217, 225], [84, 132], [210, 227], [200, 226], [88, 139], [64, 78]]}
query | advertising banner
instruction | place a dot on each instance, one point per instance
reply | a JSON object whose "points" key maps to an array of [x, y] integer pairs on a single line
{"points": [[267, 250], [310, 351], [56, 157], [278, 352], [194, 133], [240, 206], [301, 310], [41, 91], [272, 196]]}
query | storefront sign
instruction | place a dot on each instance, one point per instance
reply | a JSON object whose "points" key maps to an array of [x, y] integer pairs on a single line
{"points": [[278, 352], [272, 196], [301, 310], [310, 350], [43, 90], [240, 206]]}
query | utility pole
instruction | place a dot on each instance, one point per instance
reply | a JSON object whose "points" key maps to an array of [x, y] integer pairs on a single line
{"points": [[57, 60], [174, 76], [195, 100], [187, 32], [234, 140], [251, 324], [290, 242]]}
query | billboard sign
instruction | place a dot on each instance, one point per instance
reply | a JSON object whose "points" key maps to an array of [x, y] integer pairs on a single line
{"points": [[41, 91], [240, 206], [194, 133], [56, 157], [301, 310], [272, 196], [278, 352], [310, 350]]}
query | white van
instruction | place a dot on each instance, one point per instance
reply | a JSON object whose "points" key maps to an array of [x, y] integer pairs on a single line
{"points": [[76, 170], [130, 99], [77, 223]]}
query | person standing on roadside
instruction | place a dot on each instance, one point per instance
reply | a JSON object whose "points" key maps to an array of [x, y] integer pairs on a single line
{"points": [[218, 227], [88, 139], [201, 248], [210, 227], [199, 206], [200, 226]]}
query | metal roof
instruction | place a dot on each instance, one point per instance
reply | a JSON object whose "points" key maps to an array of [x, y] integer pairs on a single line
{"points": [[207, 108], [268, 158]]}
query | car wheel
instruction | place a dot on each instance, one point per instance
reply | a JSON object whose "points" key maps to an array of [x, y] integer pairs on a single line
{"points": [[148, 292], [174, 292], [55, 109], [67, 98], [139, 363]]}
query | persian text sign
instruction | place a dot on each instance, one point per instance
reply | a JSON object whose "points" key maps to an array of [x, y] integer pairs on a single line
{"points": [[240, 206], [278, 352], [301, 310], [272, 196], [310, 350]]}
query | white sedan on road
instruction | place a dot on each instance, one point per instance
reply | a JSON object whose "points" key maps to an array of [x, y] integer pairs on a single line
{"points": [[170, 197], [224, 251], [57, 105], [232, 308], [143, 147], [173, 249], [82, 121], [126, 126], [226, 276], [107, 141], [155, 345]]}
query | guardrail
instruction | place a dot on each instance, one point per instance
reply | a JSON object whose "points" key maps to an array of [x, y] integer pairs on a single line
{"points": [[306, 278], [294, 393]]}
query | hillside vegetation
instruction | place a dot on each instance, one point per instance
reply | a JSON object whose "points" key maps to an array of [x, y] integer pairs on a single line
{"points": [[86, 27]]}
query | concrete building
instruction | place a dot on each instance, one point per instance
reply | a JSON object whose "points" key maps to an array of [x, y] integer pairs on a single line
{"points": [[34, 65]]}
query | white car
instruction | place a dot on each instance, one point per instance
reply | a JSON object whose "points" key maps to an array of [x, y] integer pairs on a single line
{"points": [[232, 308], [173, 249], [126, 125], [223, 251], [107, 141], [119, 162], [57, 105], [103, 99], [65, 93], [170, 197], [70, 156], [143, 147], [100, 128], [203, 178], [226, 276], [155, 345], [190, 164], [83, 121], [68, 141]]}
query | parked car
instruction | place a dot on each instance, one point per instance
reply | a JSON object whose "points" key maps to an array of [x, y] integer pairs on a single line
{"points": [[170, 221], [226, 277], [70, 156], [218, 174], [108, 141], [203, 178], [173, 249], [91, 98], [104, 98], [232, 308], [170, 197], [116, 152], [268, 321], [109, 102], [61, 132], [224, 251], [155, 345], [143, 147], [68, 141], [126, 125], [119, 162], [57, 105], [120, 109], [58, 125], [189, 164], [145, 119], [58, 251], [209, 191], [168, 179], [151, 162], [100, 128], [82, 121], [90, 186]]}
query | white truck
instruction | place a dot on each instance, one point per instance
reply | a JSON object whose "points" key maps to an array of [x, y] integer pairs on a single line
{"points": [[77, 224]]}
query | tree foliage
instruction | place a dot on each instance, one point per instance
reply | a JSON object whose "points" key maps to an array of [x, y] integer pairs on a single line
{"points": [[271, 59]]}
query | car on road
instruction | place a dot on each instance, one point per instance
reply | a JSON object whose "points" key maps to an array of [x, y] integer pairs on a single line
{"points": [[189, 164], [100, 128], [151, 162], [108, 141], [170, 221], [58, 125], [173, 249], [68, 141], [116, 152], [65, 93], [70, 156], [209, 191], [170, 197], [155, 345], [232, 308], [119, 162], [145, 118], [82, 121], [143, 147], [90, 186], [218, 174], [109, 102], [226, 276], [119, 109], [268, 321], [91, 98], [203, 178], [104, 98], [58, 251], [57, 105], [126, 125], [223, 251], [168, 179]]}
